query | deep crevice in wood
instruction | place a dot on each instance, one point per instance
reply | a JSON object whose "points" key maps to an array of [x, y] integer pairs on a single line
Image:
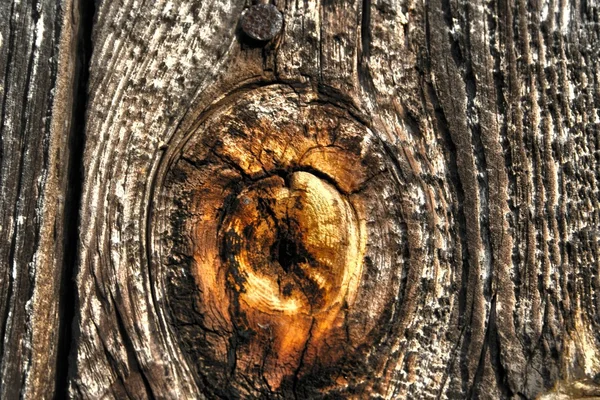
{"points": [[69, 301]]}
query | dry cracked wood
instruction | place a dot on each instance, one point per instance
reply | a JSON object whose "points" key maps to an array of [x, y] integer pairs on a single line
{"points": [[267, 221], [389, 199], [37, 83]]}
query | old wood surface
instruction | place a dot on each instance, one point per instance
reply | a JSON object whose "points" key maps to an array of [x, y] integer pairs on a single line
{"points": [[389, 199], [480, 269], [37, 82]]}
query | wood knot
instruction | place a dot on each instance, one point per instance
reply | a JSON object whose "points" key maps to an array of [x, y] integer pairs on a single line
{"points": [[268, 258], [293, 246]]}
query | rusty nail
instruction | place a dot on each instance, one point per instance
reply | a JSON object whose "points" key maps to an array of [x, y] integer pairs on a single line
{"points": [[262, 22]]}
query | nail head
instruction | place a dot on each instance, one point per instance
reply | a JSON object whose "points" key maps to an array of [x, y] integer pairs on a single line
{"points": [[262, 22]]}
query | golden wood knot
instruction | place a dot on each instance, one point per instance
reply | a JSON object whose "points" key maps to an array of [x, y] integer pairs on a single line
{"points": [[267, 201]]}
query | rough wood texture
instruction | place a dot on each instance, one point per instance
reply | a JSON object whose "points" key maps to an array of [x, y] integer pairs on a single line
{"points": [[268, 244], [480, 274], [37, 80]]}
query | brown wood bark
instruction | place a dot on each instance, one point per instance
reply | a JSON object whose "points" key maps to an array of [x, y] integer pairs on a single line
{"points": [[37, 82], [389, 199]]}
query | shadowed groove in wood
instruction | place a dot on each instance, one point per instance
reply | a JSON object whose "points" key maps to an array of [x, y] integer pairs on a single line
{"points": [[84, 16]]}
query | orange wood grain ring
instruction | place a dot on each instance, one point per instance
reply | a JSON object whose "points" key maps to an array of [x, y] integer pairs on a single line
{"points": [[272, 203]]}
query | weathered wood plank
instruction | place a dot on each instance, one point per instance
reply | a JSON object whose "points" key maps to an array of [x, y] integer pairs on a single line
{"points": [[480, 272], [150, 62], [37, 76]]}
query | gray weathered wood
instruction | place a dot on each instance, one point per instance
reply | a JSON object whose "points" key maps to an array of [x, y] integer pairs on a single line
{"points": [[37, 79], [485, 230]]}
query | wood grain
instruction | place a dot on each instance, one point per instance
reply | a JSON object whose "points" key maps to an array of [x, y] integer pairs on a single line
{"points": [[480, 273], [37, 83]]}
